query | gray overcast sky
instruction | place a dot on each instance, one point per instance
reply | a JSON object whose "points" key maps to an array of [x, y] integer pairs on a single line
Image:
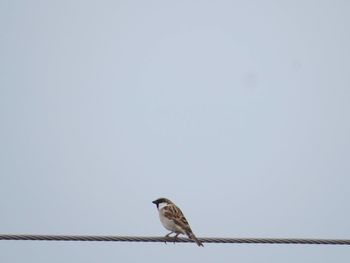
{"points": [[238, 111]]}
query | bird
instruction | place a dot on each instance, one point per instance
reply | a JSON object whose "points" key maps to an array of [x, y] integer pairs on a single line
{"points": [[174, 220]]}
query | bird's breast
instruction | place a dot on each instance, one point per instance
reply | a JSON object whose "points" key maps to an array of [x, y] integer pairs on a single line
{"points": [[169, 224]]}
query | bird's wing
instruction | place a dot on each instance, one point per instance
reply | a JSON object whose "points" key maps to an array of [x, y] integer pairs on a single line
{"points": [[172, 212]]}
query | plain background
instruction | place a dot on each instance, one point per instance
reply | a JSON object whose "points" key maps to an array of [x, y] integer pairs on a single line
{"points": [[238, 111]]}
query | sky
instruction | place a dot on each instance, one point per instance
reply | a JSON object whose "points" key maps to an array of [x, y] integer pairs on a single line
{"points": [[237, 111]]}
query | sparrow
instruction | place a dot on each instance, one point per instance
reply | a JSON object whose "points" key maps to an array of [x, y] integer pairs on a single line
{"points": [[174, 220]]}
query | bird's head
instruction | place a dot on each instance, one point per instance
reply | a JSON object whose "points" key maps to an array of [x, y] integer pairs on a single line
{"points": [[161, 201]]}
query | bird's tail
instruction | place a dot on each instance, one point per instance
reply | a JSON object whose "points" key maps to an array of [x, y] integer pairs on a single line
{"points": [[193, 237]]}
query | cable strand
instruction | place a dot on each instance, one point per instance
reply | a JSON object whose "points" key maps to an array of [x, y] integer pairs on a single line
{"points": [[178, 240]]}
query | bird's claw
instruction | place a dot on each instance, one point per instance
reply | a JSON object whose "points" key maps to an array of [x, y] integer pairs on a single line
{"points": [[175, 239], [171, 239], [167, 238]]}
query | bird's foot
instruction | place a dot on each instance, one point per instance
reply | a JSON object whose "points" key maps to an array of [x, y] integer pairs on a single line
{"points": [[168, 237], [175, 238]]}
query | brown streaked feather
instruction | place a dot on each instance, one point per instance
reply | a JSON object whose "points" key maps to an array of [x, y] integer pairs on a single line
{"points": [[174, 213]]}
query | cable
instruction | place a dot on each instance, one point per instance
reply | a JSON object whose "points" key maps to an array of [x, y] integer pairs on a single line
{"points": [[181, 240]]}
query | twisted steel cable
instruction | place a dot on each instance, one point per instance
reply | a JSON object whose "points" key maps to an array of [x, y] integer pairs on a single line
{"points": [[178, 240]]}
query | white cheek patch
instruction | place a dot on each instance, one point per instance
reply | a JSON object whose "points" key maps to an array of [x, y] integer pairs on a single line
{"points": [[161, 205]]}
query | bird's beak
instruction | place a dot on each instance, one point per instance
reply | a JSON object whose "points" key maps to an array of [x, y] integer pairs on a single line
{"points": [[154, 202]]}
